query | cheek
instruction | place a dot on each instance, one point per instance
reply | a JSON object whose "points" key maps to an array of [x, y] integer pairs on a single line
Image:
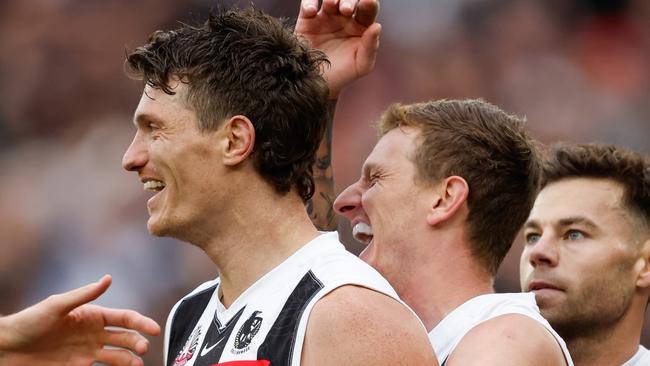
{"points": [[525, 268]]}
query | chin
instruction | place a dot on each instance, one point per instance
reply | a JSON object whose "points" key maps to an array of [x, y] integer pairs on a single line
{"points": [[157, 228], [366, 256]]}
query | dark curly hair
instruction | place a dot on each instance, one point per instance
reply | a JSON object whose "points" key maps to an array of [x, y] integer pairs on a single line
{"points": [[244, 62], [487, 147], [629, 168]]}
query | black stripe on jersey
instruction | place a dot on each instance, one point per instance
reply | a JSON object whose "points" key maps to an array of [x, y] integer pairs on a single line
{"points": [[185, 318], [280, 341]]}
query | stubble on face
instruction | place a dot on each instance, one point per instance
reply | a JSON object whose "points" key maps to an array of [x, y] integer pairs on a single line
{"points": [[594, 306], [597, 293], [183, 157]]}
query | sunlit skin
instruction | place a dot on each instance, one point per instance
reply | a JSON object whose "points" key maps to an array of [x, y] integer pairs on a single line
{"points": [[387, 198], [582, 258], [169, 147], [418, 241]]}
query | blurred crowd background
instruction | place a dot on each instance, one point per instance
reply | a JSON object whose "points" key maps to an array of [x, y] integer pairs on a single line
{"points": [[579, 70]]}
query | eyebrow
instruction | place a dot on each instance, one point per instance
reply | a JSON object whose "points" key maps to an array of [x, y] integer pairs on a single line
{"points": [[367, 168], [143, 117], [531, 224], [568, 221], [577, 220]]}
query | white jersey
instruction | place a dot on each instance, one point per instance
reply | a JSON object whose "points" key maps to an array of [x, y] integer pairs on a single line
{"points": [[640, 358], [449, 332], [266, 324]]}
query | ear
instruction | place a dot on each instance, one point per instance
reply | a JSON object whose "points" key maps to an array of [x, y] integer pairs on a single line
{"points": [[239, 141], [452, 196], [642, 266]]}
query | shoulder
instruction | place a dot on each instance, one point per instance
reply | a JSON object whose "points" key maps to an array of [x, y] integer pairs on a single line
{"points": [[641, 357], [197, 298], [511, 339], [354, 325], [188, 309], [334, 266]]}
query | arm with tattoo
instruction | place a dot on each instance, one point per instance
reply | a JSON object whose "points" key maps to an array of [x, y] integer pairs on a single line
{"points": [[320, 206], [348, 33]]}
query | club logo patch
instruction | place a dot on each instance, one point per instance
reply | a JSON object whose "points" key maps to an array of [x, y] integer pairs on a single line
{"points": [[187, 352], [246, 333]]}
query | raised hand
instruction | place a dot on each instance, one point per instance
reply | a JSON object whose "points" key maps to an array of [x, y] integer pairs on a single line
{"points": [[64, 330], [347, 32]]}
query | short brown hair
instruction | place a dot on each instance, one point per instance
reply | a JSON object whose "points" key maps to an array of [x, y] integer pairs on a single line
{"points": [[629, 168], [490, 150], [249, 63]]}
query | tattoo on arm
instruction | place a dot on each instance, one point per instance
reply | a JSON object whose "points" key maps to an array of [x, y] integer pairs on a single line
{"points": [[320, 206]]}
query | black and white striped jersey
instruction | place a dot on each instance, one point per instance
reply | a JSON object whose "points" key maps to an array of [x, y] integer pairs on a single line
{"points": [[266, 325]]}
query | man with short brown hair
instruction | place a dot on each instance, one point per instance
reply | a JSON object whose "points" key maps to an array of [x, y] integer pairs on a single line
{"points": [[587, 252], [439, 202]]}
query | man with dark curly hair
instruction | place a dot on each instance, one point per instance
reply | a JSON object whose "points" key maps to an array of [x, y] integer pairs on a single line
{"points": [[226, 135], [587, 252]]}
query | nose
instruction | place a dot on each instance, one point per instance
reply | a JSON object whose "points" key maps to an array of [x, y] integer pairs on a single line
{"points": [[135, 157], [544, 252], [348, 201]]}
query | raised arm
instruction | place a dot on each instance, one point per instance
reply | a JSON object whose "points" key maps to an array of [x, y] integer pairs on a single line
{"points": [[347, 32], [65, 330], [321, 206]]}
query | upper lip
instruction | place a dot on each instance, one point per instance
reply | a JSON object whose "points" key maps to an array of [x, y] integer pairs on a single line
{"points": [[541, 285], [147, 179], [357, 220]]}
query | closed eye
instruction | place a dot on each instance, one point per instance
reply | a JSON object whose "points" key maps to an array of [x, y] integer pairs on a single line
{"points": [[373, 179]]}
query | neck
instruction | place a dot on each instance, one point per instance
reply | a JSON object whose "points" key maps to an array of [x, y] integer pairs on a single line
{"points": [[611, 345], [445, 280], [257, 233]]}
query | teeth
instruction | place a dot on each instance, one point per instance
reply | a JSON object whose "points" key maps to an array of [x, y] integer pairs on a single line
{"points": [[154, 185], [362, 232]]}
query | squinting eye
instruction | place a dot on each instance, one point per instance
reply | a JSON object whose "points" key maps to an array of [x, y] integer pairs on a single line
{"points": [[532, 238], [373, 180]]}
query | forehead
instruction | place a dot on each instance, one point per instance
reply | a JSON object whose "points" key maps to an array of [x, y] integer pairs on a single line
{"points": [[156, 104], [397, 144], [599, 200]]}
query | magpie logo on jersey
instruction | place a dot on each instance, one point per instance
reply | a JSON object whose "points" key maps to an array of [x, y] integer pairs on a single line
{"points": [[189, 348], [246, 333]]}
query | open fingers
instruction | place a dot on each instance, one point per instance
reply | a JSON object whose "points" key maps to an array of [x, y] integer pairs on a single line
{"points": [[68, 301], [129, 340], [330, 7], [118, 357], [131, 320], [368, 50], [346, 7], [367, 11], [308, 9]]}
